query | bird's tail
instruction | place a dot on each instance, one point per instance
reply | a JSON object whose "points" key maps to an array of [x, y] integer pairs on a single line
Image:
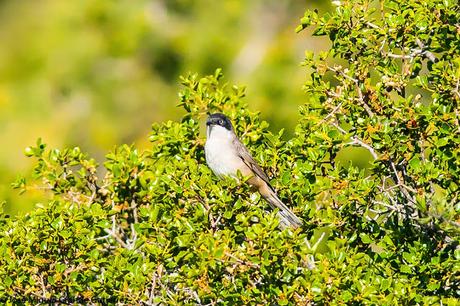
{"points": [[287, 217]]}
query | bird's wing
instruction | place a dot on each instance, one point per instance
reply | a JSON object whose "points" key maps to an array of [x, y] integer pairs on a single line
{"points": [[287, 217], [249, 161]]}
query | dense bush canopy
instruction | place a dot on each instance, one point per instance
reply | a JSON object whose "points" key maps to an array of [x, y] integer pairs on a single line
{"points": [[159, 228], [96, 73]]}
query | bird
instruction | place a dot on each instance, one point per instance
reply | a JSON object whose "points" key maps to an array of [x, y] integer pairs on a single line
{"points": [[226, 155]]}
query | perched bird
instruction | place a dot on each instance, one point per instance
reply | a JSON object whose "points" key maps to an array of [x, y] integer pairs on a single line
{"points": [[226, 154]]}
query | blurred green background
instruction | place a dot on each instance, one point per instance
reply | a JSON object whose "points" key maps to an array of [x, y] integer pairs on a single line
{"points": [[97, 73]]}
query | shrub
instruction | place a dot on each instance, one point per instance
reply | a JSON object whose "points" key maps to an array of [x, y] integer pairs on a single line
{"points": [[159, 228]]}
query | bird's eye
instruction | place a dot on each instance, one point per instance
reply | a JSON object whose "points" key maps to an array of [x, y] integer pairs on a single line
{"points": [[221, 122]]}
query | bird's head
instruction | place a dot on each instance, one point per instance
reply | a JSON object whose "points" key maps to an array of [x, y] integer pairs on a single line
{"points": [[220, 120], [219, 126]]}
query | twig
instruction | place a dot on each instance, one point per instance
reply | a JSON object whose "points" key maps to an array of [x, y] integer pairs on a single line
{"points": [[442, 219], [29, 292], [402, 187], [136, 220], [457, 120], [42, 282], [456, 91], [213, 221], [117, 238], [357, 141], [102, 237], [332, 113], [315, 246], [422, 155], [152, 289], [382, 45], [398, 186], [240, 261], [428, 54], [337, 126], [401, 56], [413, 54], [358, 89], [337, 70], [372, 25], [398, 180]]}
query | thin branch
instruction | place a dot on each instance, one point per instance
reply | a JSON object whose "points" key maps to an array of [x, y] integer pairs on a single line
{"points": [[372, 25], [29, 292], [428, 54], [240, 261], [211, 218], [117, 238], [315, 246], [332, 113], [356, 141], [358, 89], [442, 219], [402, 187], [414, 53], [102, 237], [456, 91], [457, 119], [401, 56], [136, 220], [397, 186], [337, 70], [422, 155], [132, 242], [382, 45], [398, 180], [42, 282], [152, 288]]}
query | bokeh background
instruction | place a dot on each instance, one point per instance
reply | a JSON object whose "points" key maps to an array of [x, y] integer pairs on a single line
{"points": [[97, 73]]}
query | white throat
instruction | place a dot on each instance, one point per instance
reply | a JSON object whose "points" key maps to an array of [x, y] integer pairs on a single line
{"points": [[217, 132]]}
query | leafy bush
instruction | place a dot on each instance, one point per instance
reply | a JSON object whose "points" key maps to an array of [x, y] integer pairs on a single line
{"points": [[159, 228]]}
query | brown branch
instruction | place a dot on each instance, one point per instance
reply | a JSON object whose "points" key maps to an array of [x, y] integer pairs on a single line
{"points": [[240, 261]]}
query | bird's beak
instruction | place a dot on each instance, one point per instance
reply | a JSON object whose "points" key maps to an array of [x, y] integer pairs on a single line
{"points": [[208, 128]]}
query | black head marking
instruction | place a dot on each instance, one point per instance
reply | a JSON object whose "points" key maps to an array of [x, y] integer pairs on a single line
{"points": [[219, 119]]}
